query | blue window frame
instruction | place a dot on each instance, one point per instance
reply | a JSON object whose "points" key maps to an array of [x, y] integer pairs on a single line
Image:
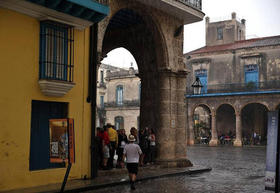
{"points": [[42, 111], [251, 74], [119, 95], [119, 122], [56, 51], [202, 75]]}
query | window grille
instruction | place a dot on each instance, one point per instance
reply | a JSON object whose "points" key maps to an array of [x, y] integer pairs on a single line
{"points": [[56, 51]]}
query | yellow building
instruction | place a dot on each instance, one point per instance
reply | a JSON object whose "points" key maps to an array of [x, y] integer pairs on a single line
{"points": [[44, 59]]}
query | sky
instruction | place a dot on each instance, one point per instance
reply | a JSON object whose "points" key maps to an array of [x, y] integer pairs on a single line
{"points": [[262, 19]]}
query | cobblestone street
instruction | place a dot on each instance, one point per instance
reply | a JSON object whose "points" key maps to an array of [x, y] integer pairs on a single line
{"points": [[234, 170]]}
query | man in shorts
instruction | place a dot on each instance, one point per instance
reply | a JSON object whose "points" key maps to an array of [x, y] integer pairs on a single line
{"points": [[132, 152]]}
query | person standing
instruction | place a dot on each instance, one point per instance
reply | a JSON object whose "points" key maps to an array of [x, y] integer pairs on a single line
{"points": [[152, 147], [132, 152], [122, 142], [113, 137]]}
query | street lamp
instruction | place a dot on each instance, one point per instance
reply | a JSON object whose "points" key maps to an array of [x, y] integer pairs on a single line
{"points": [[197, 86]]}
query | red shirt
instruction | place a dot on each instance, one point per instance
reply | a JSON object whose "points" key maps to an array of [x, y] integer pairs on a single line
{"points": [[104, 136]]}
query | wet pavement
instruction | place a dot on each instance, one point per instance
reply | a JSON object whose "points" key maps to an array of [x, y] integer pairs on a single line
{"points": [[234, 170]]}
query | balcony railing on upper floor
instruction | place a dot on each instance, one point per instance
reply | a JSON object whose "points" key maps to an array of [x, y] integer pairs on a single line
{"points": [[193, 3], [125, 103], [273, 85]]}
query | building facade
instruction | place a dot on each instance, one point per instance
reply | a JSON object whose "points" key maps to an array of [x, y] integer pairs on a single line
{"points": [[44, 75], [119, 93], [240, 83]]}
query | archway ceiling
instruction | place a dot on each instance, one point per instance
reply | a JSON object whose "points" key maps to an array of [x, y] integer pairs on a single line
{"points": [[124, 19]]}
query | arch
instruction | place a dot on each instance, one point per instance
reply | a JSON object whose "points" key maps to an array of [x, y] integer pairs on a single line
{"points": [[264, 103], [254, 123], [149, 20], [201, 116], [277, 107], [230, 104], [200, 104], [133, 27], [226, 124]]}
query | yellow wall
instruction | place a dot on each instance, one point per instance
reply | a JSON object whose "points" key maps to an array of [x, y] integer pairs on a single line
{"points": [[19, 62]]}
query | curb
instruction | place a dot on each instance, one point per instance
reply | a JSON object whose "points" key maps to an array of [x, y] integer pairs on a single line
{"points": [[100, 186]]}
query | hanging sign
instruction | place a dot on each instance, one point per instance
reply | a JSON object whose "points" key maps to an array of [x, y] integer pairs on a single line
{"points": [[62, 143]]}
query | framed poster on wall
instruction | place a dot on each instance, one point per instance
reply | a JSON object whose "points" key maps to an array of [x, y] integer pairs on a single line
{"points": [[62, 143]]}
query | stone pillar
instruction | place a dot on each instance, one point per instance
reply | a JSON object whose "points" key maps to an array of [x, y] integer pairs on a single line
{"points": [[190, 124], [171, 131], [238, 125], [214, 138]]}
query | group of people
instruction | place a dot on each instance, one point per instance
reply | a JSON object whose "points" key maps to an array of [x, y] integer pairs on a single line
{"points": [[138, 149]]}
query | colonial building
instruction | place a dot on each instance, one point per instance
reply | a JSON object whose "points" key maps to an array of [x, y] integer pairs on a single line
{"points": [[240, 83], [119, 92]]}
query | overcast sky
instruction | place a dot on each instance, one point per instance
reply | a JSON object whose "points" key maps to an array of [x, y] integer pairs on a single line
{"points": [[262, 19]]}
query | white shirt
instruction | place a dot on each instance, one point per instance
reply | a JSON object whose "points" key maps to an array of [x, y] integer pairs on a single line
{"points": [[132, 152]]}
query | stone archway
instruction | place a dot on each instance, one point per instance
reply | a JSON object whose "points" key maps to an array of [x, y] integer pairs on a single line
{"points": [[202, 124], [226, 128], [254, 123], [161, 70]]}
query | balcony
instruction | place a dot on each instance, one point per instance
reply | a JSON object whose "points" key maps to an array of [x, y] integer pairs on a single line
{"points": [[77, 13], [197, 4], [126, 103], [239, 88], [189, 11]]}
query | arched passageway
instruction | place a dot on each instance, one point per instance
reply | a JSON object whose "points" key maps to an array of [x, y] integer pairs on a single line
{"points": [[254, 124], [226, 124], [202, 124], [134, 28]]}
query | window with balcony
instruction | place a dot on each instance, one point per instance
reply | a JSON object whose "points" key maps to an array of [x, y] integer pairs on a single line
{"points": [[119, 122], [251, 75], [119, 95], [56, 51], [202, 75], [219, 33]]}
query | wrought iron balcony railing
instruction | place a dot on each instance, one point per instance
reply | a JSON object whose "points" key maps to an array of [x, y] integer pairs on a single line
{"points": [[240, 87], [193, 3], [126, 103]]}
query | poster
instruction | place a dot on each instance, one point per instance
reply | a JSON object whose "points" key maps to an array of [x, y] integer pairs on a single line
{"points": [[62, 144], [271, 148]]}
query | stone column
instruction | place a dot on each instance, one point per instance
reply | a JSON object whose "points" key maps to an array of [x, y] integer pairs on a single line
{"points": [[171, 131], [214, 138], [238, 125], [190, 129]]}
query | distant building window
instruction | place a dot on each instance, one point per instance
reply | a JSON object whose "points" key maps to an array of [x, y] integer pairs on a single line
{"points": [[119, 122], [56, 51], [219, 33], [102, 76], [41, 112], [119, 95], [139, 91], [102, 101]]}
